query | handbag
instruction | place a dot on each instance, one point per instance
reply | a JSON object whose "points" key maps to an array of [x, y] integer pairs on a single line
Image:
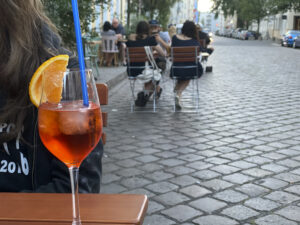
{"points": [[150, 72]]}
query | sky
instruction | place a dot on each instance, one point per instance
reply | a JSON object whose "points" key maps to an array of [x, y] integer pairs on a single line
{"points": [[204, 5]]}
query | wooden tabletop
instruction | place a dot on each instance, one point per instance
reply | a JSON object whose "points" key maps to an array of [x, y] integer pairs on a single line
{"points": [[56, 209]]}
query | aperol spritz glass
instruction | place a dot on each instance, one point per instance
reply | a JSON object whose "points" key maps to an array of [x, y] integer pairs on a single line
{"points": [[69, 129]]}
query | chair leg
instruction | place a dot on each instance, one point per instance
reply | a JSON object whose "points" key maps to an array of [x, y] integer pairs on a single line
{"points": [[132, 86], [198, 95], [154, 97], [116, 59], [174, 85], [96, 66]]}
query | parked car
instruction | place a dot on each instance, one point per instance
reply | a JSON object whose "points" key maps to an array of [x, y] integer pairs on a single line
{"points": [[296, 43], [243, 35], [235, 33], [288, 38], [252, 35]]}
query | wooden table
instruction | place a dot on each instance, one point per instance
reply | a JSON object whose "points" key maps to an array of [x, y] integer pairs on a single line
{"points": [[56, 209]]}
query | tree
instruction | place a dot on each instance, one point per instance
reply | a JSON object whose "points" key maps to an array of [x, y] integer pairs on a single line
{"points": [[247, 11], [152, 9], [61, 14], [283, 5]]}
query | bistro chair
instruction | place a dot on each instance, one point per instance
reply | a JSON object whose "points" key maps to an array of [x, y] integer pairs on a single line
{"points": [[91, 51], [186, 59], [136, 62], [109, 46]]}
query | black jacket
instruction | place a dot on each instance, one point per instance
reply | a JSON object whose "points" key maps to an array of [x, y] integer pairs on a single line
{"points": [[27, 166]]}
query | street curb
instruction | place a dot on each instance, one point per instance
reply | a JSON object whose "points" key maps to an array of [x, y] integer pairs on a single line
{"points": [[116, 80]]}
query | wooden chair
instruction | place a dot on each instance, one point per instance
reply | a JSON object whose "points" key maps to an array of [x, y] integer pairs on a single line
{"points": [[186, 58], [137, 55], [109, 46], [102, 90]]}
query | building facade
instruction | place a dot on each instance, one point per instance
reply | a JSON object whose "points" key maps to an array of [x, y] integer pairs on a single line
{"points": [[182, 11], [274, 26], [208, 21], [106, 12], [224, 24]]}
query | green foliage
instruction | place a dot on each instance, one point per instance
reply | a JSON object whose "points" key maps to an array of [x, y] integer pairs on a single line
{"points": [[277, 6], [153, 9], [247, 11], [61, 14], [254, 10]]}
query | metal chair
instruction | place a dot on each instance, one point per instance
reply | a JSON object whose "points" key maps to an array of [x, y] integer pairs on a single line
{"points": [[91, 50], [109, 46], [136, 62], [186, 59]]}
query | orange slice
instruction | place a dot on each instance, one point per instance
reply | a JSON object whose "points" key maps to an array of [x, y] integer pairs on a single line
{"points": [[49, 78]]}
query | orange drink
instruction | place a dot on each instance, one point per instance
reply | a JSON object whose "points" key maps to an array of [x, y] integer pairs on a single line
{"points": [[69, 130]]}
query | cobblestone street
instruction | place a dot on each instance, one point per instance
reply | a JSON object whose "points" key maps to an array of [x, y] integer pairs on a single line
{"points": [[235, 162]]}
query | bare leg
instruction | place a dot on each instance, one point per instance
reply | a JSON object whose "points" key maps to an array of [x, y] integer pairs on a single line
{"points": [[181, 86], [109, 58]]}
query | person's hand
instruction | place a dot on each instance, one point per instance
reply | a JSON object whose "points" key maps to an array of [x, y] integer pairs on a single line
{"points": [[158, 38], [119, 36], [132, 37]]}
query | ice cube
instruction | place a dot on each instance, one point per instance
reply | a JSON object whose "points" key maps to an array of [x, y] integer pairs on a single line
{"points": [[75, 122]]}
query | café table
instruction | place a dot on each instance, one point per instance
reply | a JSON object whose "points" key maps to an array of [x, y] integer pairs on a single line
{"points": [[56, 209]]}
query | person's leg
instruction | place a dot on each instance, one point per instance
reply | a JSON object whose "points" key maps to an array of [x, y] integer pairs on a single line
{"points": [[179, 88], [110, 57]]}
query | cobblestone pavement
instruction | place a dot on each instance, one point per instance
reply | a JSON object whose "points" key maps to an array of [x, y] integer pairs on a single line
{"points": [[236, 162]]}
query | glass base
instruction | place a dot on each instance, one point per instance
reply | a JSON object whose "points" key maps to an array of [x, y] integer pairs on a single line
{"points": [[76, 223]]}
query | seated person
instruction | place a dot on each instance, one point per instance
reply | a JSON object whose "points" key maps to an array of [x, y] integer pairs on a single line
{"points": [[204, 36], [108, 31], [120, 32], [141, 39], [188, 37], [34, 169], [161, 37], [172, 31]]}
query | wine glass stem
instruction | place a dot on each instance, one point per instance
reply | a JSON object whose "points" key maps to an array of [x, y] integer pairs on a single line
{"points": [[74, 186]]}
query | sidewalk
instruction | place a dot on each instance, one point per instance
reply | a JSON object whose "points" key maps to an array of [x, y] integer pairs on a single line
{"points": [[111, 75]]}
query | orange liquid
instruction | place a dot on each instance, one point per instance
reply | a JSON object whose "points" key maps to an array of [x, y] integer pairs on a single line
{"points": [[71, 131]]}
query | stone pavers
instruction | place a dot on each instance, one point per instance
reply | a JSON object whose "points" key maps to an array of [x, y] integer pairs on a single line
{"points": [[236, 162]]}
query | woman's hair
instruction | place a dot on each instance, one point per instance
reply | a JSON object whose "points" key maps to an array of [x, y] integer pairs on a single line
{"points": [[189, 29], [172, 31], [21, 52], [142, 29], [107, 26]]}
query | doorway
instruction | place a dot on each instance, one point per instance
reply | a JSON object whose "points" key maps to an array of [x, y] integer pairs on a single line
{"points": [[297, 23]]}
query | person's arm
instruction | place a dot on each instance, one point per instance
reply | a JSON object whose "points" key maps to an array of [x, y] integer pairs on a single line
{"points": [[159, 50], [207, 39], [123, 31], [89, 174], [162, 42]]}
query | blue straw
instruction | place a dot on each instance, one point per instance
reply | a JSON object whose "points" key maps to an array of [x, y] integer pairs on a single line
{"points": [[80, 52]]}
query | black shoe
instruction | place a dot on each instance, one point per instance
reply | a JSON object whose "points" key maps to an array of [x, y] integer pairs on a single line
{"points": [[158, 94], [141, 99]]}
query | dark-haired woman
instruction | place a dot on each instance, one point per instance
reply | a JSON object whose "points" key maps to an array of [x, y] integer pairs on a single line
{"points": [[108, 32], [188, 37], [140, 39], [28, 38]]}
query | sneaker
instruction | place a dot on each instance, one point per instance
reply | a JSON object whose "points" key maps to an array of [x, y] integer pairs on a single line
{"points": [[178, 103], [141, 99]]}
